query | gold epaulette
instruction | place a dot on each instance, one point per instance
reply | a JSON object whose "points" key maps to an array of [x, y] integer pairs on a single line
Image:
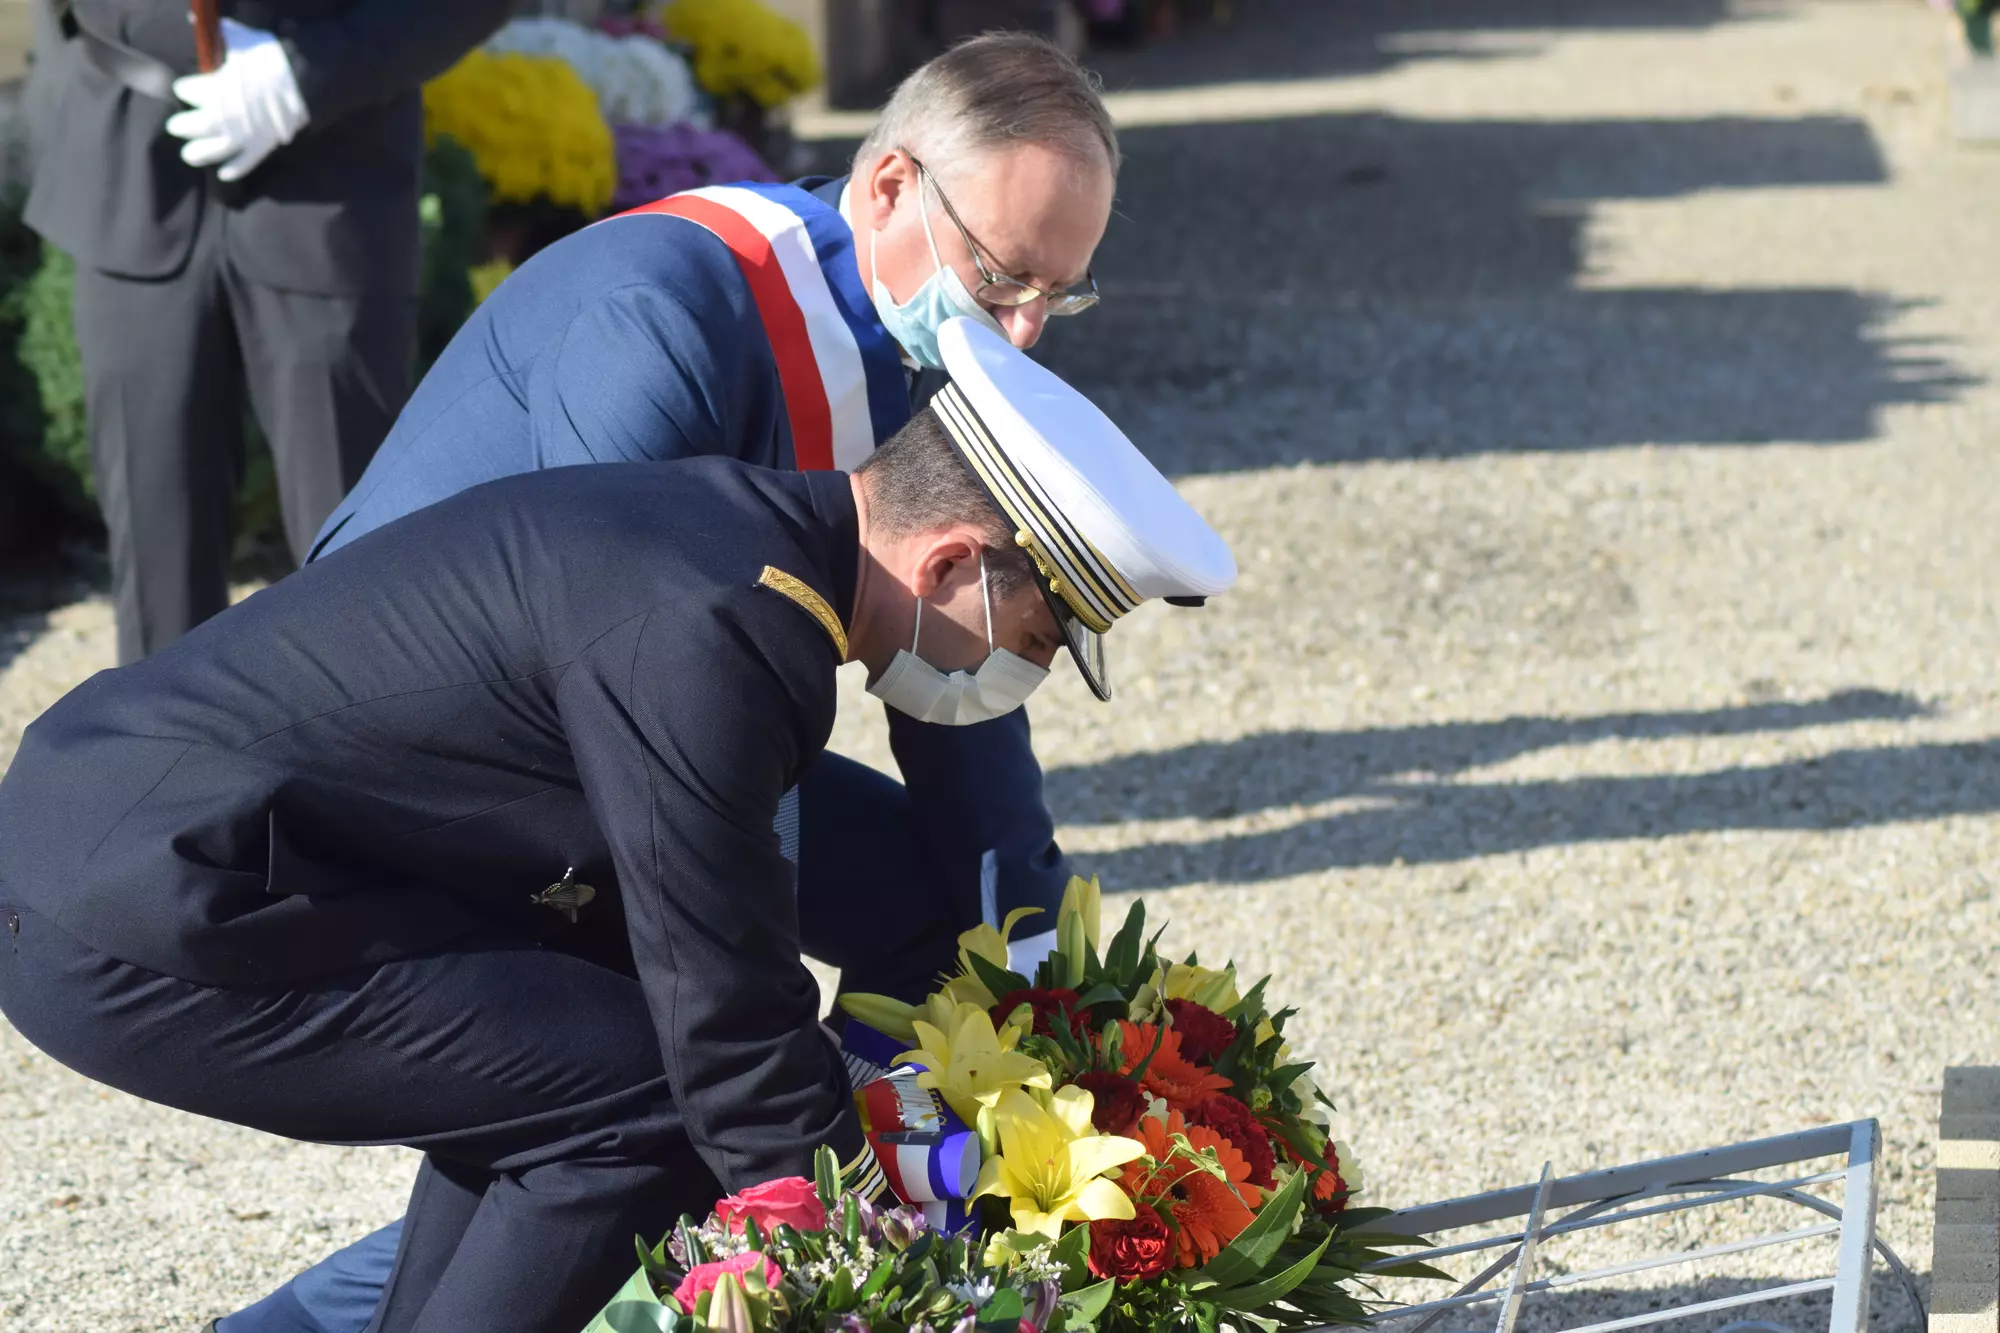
{"points": [[802, 594]]}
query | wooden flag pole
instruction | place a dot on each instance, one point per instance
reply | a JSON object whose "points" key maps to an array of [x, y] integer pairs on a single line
{"points": [[207, 35]]}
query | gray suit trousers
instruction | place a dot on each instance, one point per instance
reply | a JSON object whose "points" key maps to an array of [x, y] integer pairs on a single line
{"points": [[167, 363]]}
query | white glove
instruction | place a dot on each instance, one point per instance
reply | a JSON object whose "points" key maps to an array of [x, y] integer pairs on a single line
{"points": [[244, 111]]}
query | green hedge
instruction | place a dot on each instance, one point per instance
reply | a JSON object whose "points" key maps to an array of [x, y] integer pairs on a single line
{"points": [[44, 447]]}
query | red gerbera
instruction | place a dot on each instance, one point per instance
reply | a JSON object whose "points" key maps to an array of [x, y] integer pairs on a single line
{"points": [[1205, 1034], [1170, 1074], [1116, 1101], [1046, 1004], [1207, 1213], [1235, 1122]]}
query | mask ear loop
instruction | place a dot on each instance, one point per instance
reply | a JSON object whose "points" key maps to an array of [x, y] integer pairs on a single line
{"points": [[986, 599]]}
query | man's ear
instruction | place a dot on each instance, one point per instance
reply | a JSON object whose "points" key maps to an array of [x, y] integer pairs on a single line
{"points": [[885, 180], [948, 556]]}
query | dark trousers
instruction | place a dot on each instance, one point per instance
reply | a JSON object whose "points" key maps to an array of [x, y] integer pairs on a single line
{"points": [[531, 1080], [166, 365]]}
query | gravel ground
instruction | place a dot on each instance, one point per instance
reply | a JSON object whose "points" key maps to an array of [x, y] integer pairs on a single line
{"points": [[1602, 748]]}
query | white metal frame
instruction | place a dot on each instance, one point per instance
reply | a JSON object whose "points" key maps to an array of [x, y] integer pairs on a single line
{"points": [[1651, 1189]]}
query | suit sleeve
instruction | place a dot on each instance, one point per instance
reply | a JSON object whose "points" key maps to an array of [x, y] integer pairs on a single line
{"points": [[687, 731], [157, 28], [635, 377], [375, 49]]}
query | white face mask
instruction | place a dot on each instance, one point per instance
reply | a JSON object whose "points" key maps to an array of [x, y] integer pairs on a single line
{"points": [[1003, 682]]}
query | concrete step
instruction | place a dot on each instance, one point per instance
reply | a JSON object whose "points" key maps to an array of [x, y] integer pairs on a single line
{"points": [[1965, 1258]]}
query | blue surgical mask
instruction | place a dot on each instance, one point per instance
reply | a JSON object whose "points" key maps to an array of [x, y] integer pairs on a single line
{"points": [[915, 323]]}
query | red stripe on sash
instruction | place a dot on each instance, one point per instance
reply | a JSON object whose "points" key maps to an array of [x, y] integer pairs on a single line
{"points": [[798, 369]]}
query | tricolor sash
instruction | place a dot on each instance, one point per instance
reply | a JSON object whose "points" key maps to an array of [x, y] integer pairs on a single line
{"points": [[839, 370]]}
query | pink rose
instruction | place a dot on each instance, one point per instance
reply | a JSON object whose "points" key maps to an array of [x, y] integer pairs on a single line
{"points": [[790, 1200], [703, 1277]]}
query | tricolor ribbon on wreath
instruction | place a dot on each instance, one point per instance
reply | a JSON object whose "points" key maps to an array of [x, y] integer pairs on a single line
{"points": [[927, 1155]]}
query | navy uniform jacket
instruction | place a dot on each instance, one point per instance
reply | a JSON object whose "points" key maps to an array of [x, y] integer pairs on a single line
{"points": [[388, 751], [628, 342]]}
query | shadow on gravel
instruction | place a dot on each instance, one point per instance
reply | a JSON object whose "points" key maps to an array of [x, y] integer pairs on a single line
{"points": [[1399, 804], [1302, 39], [1220, 779], [1364, 286]]}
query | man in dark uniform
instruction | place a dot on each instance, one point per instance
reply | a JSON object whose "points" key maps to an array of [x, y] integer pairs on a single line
{"points": [[289, 269], [301, 870]]}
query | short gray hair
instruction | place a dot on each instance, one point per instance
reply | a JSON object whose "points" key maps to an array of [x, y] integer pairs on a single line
{"points": [[995, 91]]}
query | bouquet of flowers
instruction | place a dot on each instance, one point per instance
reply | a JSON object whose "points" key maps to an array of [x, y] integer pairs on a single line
{"points": [[532, 126], [1120, 1143]]}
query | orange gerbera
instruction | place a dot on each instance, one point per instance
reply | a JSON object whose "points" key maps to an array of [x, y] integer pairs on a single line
{"points": [[1170, 1075], [1207, 1214]]}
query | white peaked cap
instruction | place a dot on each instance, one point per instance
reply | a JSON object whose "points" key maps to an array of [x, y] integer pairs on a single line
{"points": [[1105, 529]]}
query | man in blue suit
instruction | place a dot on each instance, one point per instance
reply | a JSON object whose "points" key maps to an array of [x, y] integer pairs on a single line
{"points": [[791, 327]]}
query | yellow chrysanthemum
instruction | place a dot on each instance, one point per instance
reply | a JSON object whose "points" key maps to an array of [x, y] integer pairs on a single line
{"points": [[532, 126], [1051, 1163], [741, 47]]}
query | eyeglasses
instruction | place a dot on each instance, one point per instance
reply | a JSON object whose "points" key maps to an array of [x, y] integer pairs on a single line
{"points": [[997, 288]]}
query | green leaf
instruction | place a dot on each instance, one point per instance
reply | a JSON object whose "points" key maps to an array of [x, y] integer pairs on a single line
{"points": [[1412, 1269], [1283, 1076], [1259, 1294], [1250, 1004], [1073, 1253], [878, 1280], [1004, 1307], [697, 1253], [1102, 993], [826, 1178], [1354, 1219], [838, 1293], [1246, 1256], [1122, 960], [1089, 1303], [1159, 1039], [996, 979], [850, 1222]]}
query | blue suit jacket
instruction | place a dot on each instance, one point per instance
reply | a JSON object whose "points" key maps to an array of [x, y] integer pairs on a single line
{"points": [[618, 344]]}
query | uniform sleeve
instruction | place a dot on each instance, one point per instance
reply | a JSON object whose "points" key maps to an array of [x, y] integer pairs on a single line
{"points": [[376, 49], [635, 377], [687, 730]]}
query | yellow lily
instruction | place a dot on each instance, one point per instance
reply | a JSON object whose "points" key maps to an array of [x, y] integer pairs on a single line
{"points": [[891, 1018], [967, 1061], [1204, 985], [1083, 898], [989, 944], [1051, 1163]]}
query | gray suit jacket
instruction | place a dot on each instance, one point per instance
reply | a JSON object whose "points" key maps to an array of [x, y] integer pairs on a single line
{"points": [[333, 212]]}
